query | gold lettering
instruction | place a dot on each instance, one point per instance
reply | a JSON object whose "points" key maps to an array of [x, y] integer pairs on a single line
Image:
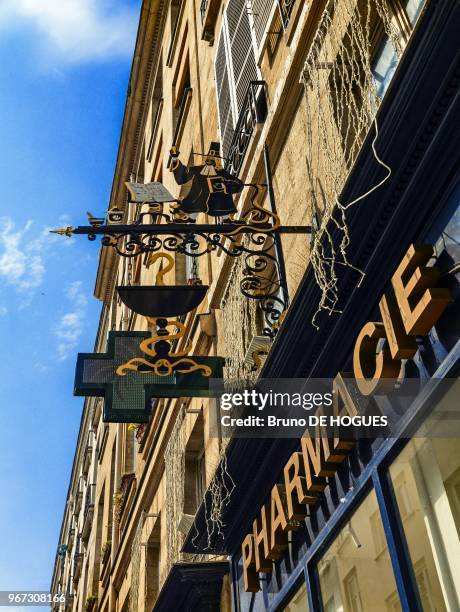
{"points": [[343, 403], [316, 468], [279, 524], [420, 301], [297, 494], [373, 368], [261, 539], [251, 578], [400, 344]]}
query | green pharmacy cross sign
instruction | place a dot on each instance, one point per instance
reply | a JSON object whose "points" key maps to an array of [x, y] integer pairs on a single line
{"points": [[128, 382]]}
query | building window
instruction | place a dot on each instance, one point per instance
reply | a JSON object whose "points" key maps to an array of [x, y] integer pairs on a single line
{"points": [[182, 92], [129, 451], [174, 13], [350, 83], [155, 115], [329, 606], [385, 59], [448, 245], [354, 92], [195, 469], [140, 171], [181, 85], [384, 66], [430, 508], [413, 9], [299, 602], [350, 576], [201, 476], [400, 487], [424, 587], [191, 273], [453, 489], [235, 67], [378, 535], [352, 592], [152, 565], [262, 15]]}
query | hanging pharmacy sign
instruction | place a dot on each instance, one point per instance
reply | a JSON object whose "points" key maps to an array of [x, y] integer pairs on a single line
{"points": [[128, 382]]}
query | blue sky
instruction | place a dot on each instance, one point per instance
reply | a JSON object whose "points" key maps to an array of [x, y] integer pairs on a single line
{"points": [[64, 69]]}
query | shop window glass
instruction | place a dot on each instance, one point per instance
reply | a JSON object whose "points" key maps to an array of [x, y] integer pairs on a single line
{"points": [[299, 603], [355, 574], [430, 512], [386, 59]]}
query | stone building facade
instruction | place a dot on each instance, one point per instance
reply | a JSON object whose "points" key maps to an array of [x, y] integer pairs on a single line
{"points": [[293, 83]]}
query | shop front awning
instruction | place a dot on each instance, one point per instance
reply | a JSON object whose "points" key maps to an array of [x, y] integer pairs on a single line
{"points": [[193, 587]]}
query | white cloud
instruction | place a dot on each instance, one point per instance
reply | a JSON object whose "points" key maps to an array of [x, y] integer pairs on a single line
{"points": [[21, 263], [3, 311], [23, 256], [73, 292], [72, 31], [71, 325]]}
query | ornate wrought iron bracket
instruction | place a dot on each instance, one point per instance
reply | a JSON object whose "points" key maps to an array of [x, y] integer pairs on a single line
{"points": [[194, 240], [255, 235]]}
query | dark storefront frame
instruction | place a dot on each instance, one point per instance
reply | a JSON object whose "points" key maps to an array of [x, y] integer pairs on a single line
{"points": [[418, 120], [374, 476]]}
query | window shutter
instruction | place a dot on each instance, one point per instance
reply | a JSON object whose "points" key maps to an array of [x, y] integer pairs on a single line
{"points": [[224, 100], [241, 47], [262, 11], [235, 67]]}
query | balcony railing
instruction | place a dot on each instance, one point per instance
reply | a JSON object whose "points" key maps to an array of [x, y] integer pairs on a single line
{"points": [[70, 538], [88, 452], [253, 112], [78, 497], [127, 488], [88, 512], [77, 562], [285, 10], [105, 562]]}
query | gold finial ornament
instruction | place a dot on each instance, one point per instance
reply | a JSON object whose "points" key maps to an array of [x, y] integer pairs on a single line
{"points": [[66, 231]]}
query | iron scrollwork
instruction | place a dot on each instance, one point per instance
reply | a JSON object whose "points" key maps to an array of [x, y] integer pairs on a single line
{"points": [[209, 188], [254, 111], [262, 281], [193, 244]]}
